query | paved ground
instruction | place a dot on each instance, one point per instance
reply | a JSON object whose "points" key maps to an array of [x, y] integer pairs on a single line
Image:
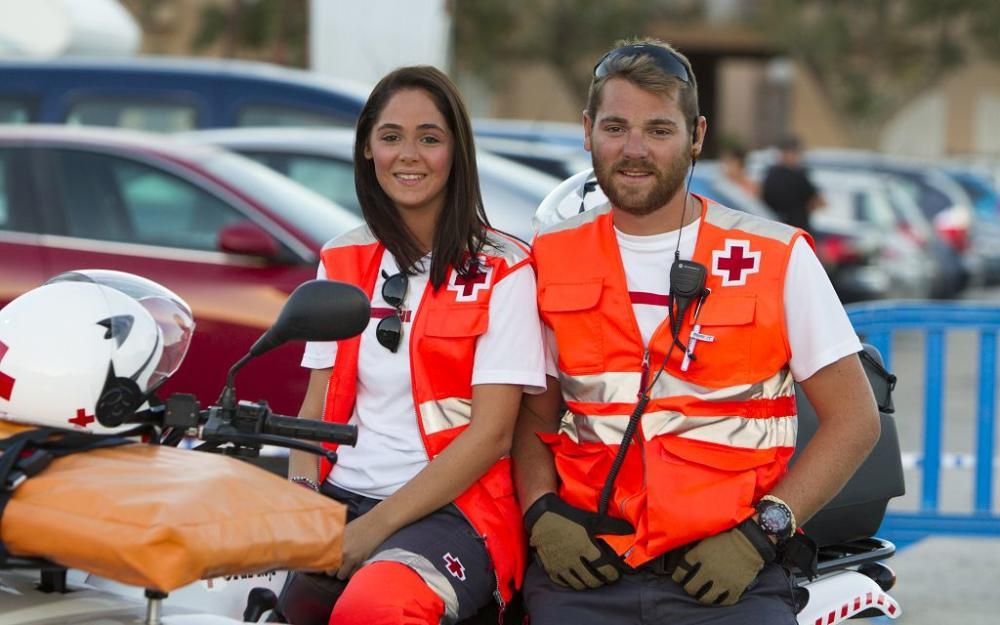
{"points": [[945, 581]]}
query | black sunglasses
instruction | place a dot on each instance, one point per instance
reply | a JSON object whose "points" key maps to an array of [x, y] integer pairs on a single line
{"points": [[389, 331], [668, 62]]}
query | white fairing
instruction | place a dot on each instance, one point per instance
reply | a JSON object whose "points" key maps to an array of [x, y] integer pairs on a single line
{"points": [[22, 604], [566, 200], [225, 596], [840, 596]]}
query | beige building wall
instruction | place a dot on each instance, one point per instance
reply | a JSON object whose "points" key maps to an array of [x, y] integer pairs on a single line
{"points": [[960, 115], [811, 116]]}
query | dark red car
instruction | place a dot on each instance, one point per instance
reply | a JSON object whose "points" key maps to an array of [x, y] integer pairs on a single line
{"points": [[230, 236]]}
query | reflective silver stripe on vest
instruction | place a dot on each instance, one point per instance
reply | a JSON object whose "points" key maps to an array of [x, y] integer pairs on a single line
{"points": [[358, 236], [434, 579], [622, 387], [731, 431], [612, 387], [729, 219], [443, 414], [578, 220], [503, 246]]}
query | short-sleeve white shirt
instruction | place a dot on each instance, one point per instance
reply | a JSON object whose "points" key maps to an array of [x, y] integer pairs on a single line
{"points": [[819, 332], [390, 450]]}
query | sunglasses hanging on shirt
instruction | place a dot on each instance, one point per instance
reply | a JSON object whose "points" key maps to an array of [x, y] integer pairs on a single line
{"points": [[389, 331]]}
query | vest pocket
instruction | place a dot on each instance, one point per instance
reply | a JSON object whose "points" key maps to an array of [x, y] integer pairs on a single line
{"points": [[723, 360], [697, 489], [582, 467], [571, 310], [458, 322]]}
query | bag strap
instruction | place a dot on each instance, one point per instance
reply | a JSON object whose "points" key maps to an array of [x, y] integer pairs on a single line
{"points": [[883, 382]]}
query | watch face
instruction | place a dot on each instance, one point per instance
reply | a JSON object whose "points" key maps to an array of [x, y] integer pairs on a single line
{"points": [[775, 519]]}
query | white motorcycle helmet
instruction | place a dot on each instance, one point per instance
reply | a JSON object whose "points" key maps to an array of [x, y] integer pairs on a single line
{"points": [[578, 193], [87, 349]]}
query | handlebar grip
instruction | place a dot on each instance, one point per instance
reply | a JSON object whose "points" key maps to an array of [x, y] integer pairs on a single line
{"points": [[311, 430]]}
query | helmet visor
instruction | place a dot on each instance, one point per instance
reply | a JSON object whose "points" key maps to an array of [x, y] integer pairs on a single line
{"points": [[171, 314]]}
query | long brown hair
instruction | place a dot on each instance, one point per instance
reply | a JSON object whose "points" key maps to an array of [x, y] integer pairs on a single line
{"points": [[460, 231]]}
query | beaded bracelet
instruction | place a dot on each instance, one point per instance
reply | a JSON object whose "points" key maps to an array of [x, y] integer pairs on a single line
{"points": [[305, 481]]}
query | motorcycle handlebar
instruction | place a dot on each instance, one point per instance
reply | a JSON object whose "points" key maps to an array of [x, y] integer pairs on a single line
{"points": [[311, 429]]}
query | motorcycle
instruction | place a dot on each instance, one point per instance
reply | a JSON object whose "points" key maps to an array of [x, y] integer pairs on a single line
{"points": [[36, 591], [852, 580]]}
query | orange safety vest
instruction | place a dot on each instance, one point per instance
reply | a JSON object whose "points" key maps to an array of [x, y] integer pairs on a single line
{"points": [[443, 337], [713, 439]]}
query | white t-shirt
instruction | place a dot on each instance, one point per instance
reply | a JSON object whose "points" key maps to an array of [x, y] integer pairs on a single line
{"points": [[390, 451], [819, 331]]}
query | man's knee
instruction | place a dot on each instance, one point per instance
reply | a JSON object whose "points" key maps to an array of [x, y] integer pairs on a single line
{"points": [[384, 593]]}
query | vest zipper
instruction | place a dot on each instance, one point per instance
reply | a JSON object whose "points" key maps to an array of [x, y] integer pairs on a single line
{"points": [[496, 578]]}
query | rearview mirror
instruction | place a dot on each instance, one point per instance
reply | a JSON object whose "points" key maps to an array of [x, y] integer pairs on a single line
{"points": [[318, 310]]}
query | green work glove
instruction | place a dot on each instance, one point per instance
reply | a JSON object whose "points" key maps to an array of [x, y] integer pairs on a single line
{"points": [[566, 544], [718, 569]]}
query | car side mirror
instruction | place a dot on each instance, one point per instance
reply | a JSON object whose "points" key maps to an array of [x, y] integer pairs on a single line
{"points": [[247, 238]]}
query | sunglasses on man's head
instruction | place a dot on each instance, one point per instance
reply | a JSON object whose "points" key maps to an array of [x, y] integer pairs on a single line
{"points": [[668, 62], [389, 331]]}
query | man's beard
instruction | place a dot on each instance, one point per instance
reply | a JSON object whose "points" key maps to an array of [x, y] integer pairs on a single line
{"points": [[666, 184]]}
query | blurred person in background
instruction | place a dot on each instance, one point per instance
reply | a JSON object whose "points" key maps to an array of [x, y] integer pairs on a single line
{"points": [[434, 382], [663, 494], [787, 188], [733, 164]]}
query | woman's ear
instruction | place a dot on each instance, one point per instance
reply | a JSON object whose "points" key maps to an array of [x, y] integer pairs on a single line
{"points": [[368, 151]]}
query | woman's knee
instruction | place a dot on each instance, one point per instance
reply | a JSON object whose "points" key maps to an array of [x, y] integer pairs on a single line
{"points": [[384, 593]]}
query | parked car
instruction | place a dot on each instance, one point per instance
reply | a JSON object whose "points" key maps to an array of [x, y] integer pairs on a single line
{"points": [[554, 148], [943, 202], [848, 256], [861, 201], [323, 160], [172, 94], [230, 236]]}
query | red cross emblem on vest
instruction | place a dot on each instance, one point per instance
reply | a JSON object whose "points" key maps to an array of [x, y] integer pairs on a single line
{"points": [[735, 263], [6, 382], [454, 566], [467, 288], [81, 419]]}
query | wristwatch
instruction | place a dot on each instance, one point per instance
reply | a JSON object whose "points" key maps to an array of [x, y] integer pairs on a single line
{"points": [[775, 518]]}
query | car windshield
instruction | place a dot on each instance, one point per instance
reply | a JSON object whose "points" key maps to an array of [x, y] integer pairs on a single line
{"points": [[309, 212]]}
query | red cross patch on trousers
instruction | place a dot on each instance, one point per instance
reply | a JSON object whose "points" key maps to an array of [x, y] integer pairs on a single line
{"points": [[735, 263], [454, 566], [467, 288]]}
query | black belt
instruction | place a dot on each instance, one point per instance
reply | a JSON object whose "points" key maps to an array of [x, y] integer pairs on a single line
{"points": [[665, 563]]}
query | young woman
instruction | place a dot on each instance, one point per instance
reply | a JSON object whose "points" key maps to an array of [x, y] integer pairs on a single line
{"points": [[435, 381]]}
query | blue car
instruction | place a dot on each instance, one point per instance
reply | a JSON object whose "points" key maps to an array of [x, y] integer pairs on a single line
{"points": [[167, 95]]}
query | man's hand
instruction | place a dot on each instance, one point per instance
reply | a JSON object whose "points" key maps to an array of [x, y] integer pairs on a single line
{"points": [[718, 569], [565, 542]]}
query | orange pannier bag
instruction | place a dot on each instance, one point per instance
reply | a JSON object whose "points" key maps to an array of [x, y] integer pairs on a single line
{"points": [[161, 518]]}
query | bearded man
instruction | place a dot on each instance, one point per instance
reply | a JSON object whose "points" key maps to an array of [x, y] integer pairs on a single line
{"points": [[676, 328]]}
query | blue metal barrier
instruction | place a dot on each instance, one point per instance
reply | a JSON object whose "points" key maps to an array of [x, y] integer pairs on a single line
{"points": [[876, 322]]}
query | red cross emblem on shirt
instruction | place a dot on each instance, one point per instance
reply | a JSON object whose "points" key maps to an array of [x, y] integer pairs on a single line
{"points": [[6, 382], [467, 288], [82, 418], [454, 566], [735, 263]]}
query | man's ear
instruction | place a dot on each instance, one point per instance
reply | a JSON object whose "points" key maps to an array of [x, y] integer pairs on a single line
{"points": [[698, 136], [588, 125]]}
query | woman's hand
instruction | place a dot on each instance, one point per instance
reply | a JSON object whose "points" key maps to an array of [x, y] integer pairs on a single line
{"points": [[361, 537]]}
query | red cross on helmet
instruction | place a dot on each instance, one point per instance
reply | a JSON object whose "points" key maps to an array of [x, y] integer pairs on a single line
{"points": [[87, 349]]}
